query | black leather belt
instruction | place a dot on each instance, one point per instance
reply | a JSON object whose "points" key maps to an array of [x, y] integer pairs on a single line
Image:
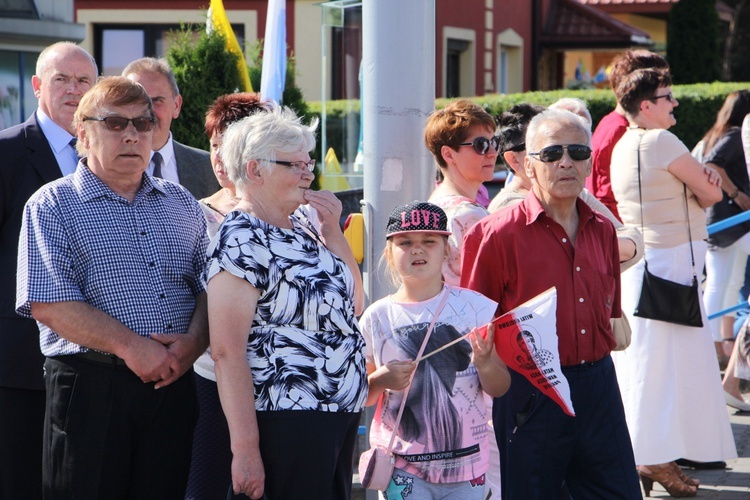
{"points": [[102, 358]]}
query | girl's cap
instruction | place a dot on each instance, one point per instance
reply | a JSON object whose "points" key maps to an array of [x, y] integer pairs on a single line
{"points": [[417, 216]]}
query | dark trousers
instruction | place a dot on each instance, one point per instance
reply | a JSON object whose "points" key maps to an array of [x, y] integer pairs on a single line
{"points": [[21, 424], [307, 454], [108, 435], [211, 466], [540, 446]]}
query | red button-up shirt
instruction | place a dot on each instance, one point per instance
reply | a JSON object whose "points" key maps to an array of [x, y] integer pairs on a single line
{"points": [[517, 253], [609, 130]]}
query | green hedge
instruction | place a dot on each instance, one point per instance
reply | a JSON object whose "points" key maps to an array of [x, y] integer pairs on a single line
{"points": [[699, 104]]}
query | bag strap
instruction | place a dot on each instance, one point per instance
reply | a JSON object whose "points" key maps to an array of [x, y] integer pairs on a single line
{"points": [[439, 309], [687, 211]]}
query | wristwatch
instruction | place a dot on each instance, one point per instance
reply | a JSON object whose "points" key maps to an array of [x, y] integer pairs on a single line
{"points": [[735, 194]]}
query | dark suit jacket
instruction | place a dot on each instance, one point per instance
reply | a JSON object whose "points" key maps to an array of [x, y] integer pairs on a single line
{"points": [[26, 164], [195, 171]]}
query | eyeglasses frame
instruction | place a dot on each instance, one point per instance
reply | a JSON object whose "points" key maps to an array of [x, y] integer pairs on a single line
{"points": [[564, 148]]}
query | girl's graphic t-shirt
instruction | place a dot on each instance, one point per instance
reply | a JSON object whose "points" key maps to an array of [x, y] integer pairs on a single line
{"points": [[443, 434]]}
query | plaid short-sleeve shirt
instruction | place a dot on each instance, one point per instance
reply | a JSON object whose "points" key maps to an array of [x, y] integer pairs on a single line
{"points": [[141, 262]]}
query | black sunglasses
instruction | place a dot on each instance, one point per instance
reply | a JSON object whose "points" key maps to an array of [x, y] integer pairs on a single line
{"points": [[668, 97], [577, 152], [518, 148], [120, 123], [481, 144]]}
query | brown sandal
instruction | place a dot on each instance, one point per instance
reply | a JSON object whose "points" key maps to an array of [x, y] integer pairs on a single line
{"points": [[690, 481], [668, 478]]}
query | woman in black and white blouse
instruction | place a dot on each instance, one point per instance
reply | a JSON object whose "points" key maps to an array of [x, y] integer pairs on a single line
{"points": [[283, 291]]}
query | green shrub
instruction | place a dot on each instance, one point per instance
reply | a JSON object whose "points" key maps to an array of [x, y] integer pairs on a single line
{"points": [[699, 104], [693, 42], [204, 70]]}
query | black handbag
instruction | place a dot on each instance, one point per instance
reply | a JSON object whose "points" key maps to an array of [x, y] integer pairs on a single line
{"points": [[662, 299], [665, 300]]}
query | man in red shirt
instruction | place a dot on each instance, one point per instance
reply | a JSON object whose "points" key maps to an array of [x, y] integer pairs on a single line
{"points": [[553, 238], [613, 125]]}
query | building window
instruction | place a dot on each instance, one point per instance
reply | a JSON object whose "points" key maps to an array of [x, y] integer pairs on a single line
{"points": [[509, 62], [17, 99], [459, 62], [115, 45], [455, 52], [346, 50], [502, 71]]}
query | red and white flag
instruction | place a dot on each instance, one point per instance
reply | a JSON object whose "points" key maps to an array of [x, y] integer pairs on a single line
{"points": [[526, 340]]}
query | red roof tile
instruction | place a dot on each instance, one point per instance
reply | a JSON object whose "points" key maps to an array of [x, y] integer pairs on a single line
{"points": [[570, 23], [626, 2]]}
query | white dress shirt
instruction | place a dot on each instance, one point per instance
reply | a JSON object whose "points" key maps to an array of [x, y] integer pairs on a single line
{"points": [[59, 140], [169, 162]]}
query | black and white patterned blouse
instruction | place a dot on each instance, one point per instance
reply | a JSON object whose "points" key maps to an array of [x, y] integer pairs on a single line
{"points": [[304, 348]]}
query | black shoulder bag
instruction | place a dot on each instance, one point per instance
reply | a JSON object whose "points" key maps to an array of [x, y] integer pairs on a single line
{"points": [[665, 300]]}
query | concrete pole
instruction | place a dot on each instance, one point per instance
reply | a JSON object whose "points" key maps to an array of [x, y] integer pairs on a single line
{"points": [[398, 64]]}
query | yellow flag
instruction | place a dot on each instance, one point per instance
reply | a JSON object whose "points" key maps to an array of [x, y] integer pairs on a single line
{"points": [[217, 18], [335, 181]]}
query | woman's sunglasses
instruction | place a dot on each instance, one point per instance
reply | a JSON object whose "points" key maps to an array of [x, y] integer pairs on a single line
{"points": [[481, 144], [550, 154]]}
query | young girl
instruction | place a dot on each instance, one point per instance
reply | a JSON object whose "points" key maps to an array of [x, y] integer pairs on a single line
{"points": [[442, 441]]}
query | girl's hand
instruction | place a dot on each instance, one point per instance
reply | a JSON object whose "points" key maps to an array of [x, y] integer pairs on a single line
{"points": [[481, 349], [394, 375]]}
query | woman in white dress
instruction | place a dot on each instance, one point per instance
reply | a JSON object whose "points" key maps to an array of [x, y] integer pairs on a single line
{"points": [[669, 377]]}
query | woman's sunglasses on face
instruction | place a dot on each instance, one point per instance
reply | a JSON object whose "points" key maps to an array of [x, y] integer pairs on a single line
{"points": [[481, 144], [550, 154]]}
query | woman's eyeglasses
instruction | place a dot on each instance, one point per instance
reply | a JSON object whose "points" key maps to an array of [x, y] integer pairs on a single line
{"points": [[668, 97], [550, 154], [120, 123], [301, 165], [481, 144]]}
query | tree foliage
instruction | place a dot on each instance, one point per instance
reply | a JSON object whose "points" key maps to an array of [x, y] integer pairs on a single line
{"points": [[739, 41], [204, 70], [292, 96], [693, 42]]}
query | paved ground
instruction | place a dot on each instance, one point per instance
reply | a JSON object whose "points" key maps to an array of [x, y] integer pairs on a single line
{"points": [[732, 483]]}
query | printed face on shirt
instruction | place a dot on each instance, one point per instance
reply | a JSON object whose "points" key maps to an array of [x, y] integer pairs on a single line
{"points": [[561, 179], [465, 164], [114, 155], [166, 105], [68, 75], [418, 255]]}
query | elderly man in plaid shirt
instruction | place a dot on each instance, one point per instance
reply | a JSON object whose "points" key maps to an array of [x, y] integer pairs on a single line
{"points": [[111, 266]]}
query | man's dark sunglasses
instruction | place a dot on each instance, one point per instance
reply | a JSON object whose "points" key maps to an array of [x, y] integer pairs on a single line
{"points": [[518, 148], [481, 144], [577, 152], [120, 123]]}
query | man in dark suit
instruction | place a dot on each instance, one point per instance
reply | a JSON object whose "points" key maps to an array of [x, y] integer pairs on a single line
{"points": [[33, 153], [172, 161]]}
